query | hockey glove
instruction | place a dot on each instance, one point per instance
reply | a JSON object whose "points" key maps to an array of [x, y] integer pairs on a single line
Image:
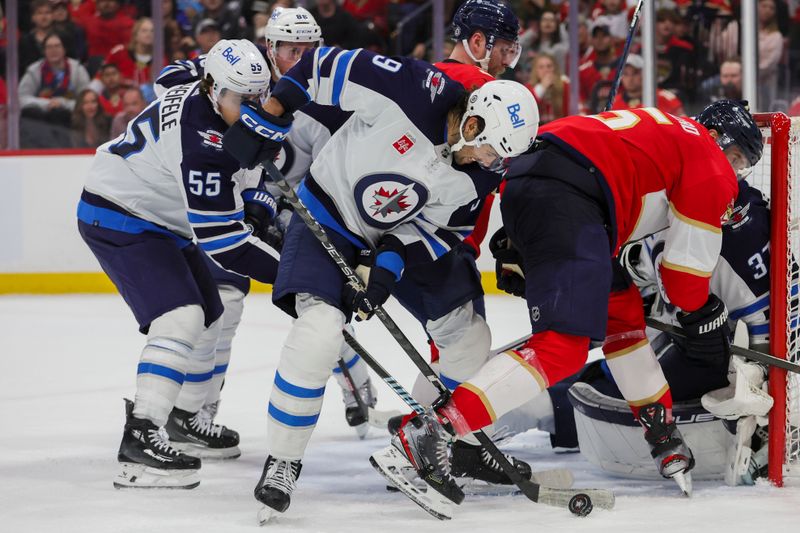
{"points": [[259, 214], [385, 272], [707, 333], [508, 264], [257, 136]]}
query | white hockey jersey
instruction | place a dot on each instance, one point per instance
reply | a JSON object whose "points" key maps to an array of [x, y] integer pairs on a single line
{"points": [[169, 169], [388, 168]]}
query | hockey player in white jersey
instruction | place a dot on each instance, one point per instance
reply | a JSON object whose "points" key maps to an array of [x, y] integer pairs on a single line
{"points": [[154, 198], [392, 179], [289, 32]]}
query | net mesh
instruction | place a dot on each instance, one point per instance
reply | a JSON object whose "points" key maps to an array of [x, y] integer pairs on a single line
{"points": [[762, 179]]}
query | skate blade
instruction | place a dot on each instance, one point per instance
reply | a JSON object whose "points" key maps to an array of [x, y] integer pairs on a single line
{"points": [[206, 453], [362, 430], [390, 464], [136, 476], [266, 514], [380, 419], [684, 481]]}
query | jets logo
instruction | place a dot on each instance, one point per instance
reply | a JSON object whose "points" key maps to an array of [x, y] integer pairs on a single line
{"points": [[740, 216], [211, 138], [386, 200], [434, 82]]}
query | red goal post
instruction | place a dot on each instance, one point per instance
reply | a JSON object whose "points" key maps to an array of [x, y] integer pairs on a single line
{"points": [[778, 177]]}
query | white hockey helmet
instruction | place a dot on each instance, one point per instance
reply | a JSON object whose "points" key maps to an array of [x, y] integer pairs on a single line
{"points": [[292, 25], [511, 119], [237, 67]]}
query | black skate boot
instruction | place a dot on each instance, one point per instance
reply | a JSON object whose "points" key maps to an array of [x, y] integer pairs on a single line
{"points": [[673, 458], [422, 442], [353, 413], [199, 435], [275, 487], [149, 461], [474, 462]]}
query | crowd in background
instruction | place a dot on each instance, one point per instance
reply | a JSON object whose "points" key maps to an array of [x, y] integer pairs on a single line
{"points": [[85, 65]]}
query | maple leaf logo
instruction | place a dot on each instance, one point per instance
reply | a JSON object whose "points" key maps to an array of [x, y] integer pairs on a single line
{"points": [[387, 202]]}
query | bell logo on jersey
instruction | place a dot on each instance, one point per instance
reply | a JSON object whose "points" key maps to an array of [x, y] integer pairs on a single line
{"points": [[211, 138], [230, 57], [513, 113], [404, 143], [386, 200]]}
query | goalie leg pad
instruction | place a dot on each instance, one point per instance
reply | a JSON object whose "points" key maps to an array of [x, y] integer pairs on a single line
{"points": [[165, 361], [308, 355]]}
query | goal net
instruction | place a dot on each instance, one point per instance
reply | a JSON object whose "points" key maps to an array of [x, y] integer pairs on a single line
{"points": [[777, 175]]}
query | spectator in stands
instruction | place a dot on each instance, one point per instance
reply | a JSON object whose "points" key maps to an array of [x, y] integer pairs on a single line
{"points": [[30, 45], [630, 91], [549, 87], [135, 58], [90, 124], [133, 103], [727, 85], [603, 64], [613, 13], [207, 34], [72, 35], [372, 13], [227, 15], [675, 57], [109, 88], [81, 11], [339, 28], [770, 51], [549, 41], [108, 28], [47, 95], [48, 88], [599, 97]]}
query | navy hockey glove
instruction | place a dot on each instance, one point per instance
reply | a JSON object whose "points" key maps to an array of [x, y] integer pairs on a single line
{"points": [[257, 136], [385, 272], [508, 264], [259, 213], [707, 333]]}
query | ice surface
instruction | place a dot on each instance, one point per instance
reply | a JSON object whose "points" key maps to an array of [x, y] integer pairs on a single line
{"points": [[69, 360]]}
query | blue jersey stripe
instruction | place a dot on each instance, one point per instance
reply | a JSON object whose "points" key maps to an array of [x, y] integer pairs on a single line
{"points": [[436, 246], [349, 364], [114, 220], [296, 390], [308, 96], [322, 216], [758, 305], [758, 329], [292, 420], [160, 370], [198, 218], [339, 75], [216, 244]]}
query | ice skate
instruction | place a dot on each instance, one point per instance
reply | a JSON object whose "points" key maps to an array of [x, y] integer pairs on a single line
{"points": [[275, 487], [149, 461], [673, 458], [198, 435], [472, 463]]}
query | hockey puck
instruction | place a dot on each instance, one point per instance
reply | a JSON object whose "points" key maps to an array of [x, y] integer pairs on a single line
{"points": [[580, 505]]}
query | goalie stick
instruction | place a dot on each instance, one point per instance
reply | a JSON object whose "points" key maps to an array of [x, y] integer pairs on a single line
{"points": [[737, 350], [578, 501]]}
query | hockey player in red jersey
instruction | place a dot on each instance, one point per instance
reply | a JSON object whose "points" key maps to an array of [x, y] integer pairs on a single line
{"points": [[590, 185]]}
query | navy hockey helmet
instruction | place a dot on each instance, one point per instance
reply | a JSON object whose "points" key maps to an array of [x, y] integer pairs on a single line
{"points": [[492, 17], [733, 121]]}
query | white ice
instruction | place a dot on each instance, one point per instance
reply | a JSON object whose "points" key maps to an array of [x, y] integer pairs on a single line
{"points": [[69, 360]]}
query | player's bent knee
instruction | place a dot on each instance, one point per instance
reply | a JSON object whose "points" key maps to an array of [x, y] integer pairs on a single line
{"points": [[464, 341], [184, 324], [313, 345]]}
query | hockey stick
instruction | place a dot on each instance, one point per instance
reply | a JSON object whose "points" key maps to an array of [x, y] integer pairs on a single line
{"points": [[624, 57], [353, 278], [737, 350], [513, 345], [351, 384], [578, 501]]}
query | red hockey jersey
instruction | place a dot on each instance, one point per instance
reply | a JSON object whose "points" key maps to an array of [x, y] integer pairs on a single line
{"points": [[661, 171]]}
